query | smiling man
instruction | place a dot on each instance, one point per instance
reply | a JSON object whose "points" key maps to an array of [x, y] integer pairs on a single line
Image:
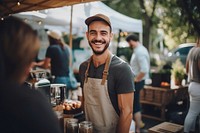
{"points": [[107, 81]]}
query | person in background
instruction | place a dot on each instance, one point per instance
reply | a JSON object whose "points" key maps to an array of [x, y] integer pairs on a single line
{"points": [[58, 59], [23, 110], [140, 63], [193, 70], [106, 81]]}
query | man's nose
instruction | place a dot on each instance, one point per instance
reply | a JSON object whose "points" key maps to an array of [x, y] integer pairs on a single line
{"points": [[98, 36]]}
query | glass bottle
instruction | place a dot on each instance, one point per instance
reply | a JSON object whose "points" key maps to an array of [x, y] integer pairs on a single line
{"points": [[72, 125], [85, 127]]}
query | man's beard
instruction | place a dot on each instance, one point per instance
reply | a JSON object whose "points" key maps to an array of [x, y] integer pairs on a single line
{"points": [[103, 42]]}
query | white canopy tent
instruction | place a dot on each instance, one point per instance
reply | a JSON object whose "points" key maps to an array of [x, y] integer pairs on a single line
{"points": [[59, 18], [84, 10]]}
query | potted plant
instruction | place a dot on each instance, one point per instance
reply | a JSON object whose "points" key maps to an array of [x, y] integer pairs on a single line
{"points": [[178, 72]]}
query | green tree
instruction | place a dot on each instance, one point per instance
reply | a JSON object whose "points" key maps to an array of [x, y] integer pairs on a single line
{"points": [[166, 15], [190, 10], [139, 9], [171, 21]]}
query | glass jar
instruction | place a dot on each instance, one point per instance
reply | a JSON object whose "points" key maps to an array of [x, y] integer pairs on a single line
{"points": [[72, 125], [85, 127]]}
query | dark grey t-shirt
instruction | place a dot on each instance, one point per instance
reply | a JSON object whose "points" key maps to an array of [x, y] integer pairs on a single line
{"points": [[120, 78], [59, 60]]}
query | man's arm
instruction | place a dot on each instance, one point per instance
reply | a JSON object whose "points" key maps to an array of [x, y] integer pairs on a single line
{"points": [[125, 103], [199, 64], [187, 66], [139, 77], [144, 67], [82, 79], [45, 63]]}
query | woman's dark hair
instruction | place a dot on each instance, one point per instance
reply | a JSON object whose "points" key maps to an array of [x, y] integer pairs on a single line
{"points": [[132, 37], [19, 46]]}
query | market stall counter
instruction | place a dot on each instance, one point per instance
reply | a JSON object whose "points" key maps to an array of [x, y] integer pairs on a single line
{"points": [[69, 110], [160, 98]]}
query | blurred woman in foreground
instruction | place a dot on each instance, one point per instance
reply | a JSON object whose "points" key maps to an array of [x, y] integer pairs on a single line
{"points": [[22, 109]]}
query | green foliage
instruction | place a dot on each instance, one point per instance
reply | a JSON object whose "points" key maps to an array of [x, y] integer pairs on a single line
{"points": [[153, 62], [168, 15], [130, 8], [178, 70], [139, 9], [176, 30], [127, 52], [190, 10], [165, 71]]}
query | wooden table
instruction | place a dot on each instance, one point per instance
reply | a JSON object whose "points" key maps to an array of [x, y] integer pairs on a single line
{"points": [[160, 97], [166, 127]]}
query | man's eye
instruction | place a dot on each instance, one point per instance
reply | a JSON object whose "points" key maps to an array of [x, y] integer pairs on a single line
{"points": [[92, 33], [104, 33]]}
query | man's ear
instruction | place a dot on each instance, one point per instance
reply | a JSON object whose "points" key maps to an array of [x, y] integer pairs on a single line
{"points": [[86, 33], [111, 35]]}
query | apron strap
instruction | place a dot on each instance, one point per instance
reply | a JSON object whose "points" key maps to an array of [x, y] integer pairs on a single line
{"points": [[86, 72], [105, 71]]}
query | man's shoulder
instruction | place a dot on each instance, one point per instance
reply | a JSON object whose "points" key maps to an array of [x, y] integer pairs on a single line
{"points": [[141, 51], [55, 47], [143, 48], [52, 48], [118, 63], [84, 65]]}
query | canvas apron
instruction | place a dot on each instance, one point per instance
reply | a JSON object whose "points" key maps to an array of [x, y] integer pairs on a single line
{"points": [[98, 107]]}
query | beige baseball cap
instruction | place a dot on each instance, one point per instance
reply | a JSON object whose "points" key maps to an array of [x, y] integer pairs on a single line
{"points": [[98, 17], [54, 34]]}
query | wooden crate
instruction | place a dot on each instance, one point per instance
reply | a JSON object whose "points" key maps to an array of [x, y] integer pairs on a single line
{"points": [[149, 95], [142, 94], [157, 96], [166, 127]]}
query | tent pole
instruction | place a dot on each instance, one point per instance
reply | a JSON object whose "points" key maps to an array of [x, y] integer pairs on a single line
{"points": [[119, 37], [140, 37], [70, 32], [118, 41]]}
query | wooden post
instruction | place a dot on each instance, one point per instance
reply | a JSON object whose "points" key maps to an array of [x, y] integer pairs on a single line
{"points": [[70, 30]]}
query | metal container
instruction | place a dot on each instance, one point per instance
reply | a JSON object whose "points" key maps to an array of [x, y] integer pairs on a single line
{"points": [[58, 93]]}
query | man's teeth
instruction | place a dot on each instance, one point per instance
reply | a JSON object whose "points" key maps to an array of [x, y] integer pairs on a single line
{"points": [[97, 43]]}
